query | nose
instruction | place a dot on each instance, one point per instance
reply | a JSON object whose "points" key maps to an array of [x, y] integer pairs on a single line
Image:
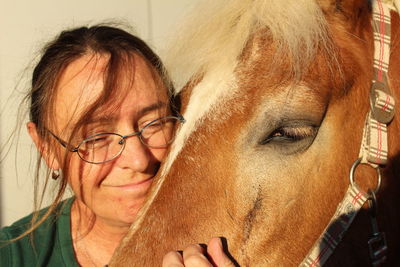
{"points": [[135, 155]]}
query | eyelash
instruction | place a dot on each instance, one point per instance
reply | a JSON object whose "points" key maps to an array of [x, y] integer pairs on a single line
{"points": [[144, 123], [290, 134]]}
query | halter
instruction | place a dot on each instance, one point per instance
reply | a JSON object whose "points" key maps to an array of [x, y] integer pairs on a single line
{"points": [[373, 152]]}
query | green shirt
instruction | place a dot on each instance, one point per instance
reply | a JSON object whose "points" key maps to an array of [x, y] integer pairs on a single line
{"points": [[52, 242]]}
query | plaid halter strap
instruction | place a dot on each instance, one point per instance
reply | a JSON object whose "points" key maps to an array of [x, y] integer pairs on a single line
{"points": [[373, 150]]}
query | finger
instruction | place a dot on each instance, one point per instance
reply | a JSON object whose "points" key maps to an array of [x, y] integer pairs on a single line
{"points": [[193, 256], [173, 259], [216, 253]]}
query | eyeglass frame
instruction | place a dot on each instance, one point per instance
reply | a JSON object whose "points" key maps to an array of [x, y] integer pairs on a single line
{"points": [[179, 117]]}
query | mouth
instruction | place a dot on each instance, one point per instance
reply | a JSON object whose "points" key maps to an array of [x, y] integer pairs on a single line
{"points": [[135, 186]]}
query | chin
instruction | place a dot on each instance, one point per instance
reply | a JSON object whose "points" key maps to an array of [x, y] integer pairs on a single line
{"points": [[131, 211]]}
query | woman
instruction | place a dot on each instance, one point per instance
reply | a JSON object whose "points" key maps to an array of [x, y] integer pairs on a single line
{"points": [[102, 119]]}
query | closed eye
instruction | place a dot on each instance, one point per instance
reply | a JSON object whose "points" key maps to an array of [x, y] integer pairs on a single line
{"points": [[290, 134], [149, 123], [98, 141]]}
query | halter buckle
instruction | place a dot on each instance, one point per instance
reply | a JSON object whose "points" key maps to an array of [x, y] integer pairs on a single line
{"points": [[378, 248], [382, 103]]}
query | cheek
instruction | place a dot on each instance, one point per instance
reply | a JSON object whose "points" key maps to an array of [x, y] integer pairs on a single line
{"points": [[84, 177], [158, 154]]}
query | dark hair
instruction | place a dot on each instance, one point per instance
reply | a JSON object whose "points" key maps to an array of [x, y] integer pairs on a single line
{"points": [[72, 44], [121, 47]]}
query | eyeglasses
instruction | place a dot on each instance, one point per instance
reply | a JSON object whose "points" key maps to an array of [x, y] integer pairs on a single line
{"points": [[104, 147]]}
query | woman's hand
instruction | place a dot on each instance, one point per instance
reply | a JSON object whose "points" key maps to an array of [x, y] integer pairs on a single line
{"points": [[194, 256]]}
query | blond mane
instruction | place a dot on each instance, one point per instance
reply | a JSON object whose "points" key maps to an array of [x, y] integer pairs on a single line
{"points": [[217, 31]]}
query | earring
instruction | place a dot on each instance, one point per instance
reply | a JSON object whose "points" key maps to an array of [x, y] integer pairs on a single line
{"points": [[55, 174]]}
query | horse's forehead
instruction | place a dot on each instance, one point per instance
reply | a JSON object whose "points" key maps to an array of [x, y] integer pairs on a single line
{"points": [[262, 75]]}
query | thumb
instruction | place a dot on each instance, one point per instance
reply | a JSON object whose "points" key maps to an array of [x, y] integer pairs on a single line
{"points": [[216, 253]]}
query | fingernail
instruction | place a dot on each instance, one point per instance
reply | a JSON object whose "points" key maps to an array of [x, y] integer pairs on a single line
{"points": [[220, 242]]}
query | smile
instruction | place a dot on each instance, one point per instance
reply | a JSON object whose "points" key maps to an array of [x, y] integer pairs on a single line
{"points": [[136, 186]]}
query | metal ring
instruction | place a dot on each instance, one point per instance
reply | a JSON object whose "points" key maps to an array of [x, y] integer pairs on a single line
{"points": [[353, 169]]}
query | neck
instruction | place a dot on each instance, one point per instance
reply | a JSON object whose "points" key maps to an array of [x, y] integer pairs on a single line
{"points": [[94, 238]]}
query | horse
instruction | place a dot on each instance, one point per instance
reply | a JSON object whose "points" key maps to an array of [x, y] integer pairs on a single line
{"points": [[275, 95]]}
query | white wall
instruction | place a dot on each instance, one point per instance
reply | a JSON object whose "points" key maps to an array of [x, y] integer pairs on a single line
{"points": [[25, 25]]}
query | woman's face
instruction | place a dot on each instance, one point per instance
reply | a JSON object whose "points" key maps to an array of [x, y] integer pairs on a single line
{"points": [[114, 190]]}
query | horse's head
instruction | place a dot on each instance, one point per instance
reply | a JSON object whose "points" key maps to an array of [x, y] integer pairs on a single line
{"points": [[275, 111]]}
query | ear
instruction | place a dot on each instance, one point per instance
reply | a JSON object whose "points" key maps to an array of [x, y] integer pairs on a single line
{"points": [[43, 147], [354, 15], [351, 9]]}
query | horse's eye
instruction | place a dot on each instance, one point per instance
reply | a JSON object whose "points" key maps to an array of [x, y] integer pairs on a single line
{"points": [[290, 134]]}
